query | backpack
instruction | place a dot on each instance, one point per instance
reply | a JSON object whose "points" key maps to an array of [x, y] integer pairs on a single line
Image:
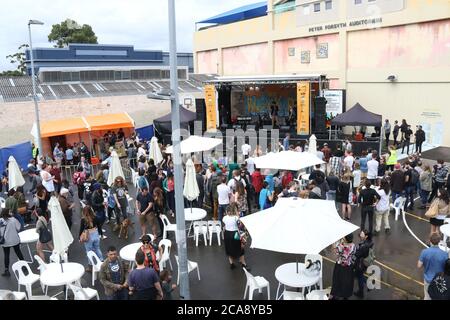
{"points": [[414, 176], [370, 259]]}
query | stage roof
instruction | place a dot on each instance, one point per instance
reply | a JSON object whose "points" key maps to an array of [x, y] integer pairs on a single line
{"points": [[242, 13], [265, 79]]}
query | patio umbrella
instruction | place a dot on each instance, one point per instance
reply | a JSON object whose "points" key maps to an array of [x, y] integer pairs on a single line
{"points": [[312, 144], [62, 237], [287, 160], [297, 226], [191, 190], [115, 169], [15, 177], [196, 144], [155, 152]]}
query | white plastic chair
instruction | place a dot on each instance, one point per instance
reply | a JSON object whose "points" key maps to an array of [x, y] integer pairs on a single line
{"points": [[80, 293], [96, 264], [167, 226], [166, 244], [19, 295], [292, 295], [315, 258], [191, 267], [214, 227], [56, 258], [23, 279], [42, 267], [200, 227], [255, 283], [398, 206], [318, 294]]}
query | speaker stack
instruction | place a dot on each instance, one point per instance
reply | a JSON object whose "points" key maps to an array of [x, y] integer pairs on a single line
{"points": [[320, 116]]}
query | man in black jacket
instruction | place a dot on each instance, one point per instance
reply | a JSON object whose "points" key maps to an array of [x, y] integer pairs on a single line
{"points": [[420, 138], [395, 132], [407, 139], [368, 197]]}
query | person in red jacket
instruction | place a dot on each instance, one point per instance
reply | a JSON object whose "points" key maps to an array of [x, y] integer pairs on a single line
{"points": [[287, 178], [257, 182]]}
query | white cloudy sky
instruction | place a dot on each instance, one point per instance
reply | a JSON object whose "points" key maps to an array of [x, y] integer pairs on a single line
{"points": [[142, 23]]}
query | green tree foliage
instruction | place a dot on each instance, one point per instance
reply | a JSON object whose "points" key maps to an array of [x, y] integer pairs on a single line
{"points": [[19, 59], [70, 31], [15, 73]]}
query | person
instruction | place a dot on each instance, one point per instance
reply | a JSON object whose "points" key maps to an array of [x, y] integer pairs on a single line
{"points": [[432, 260], [142, 181], [440, 174], [357, 175], [233, 247], [286, 141], [314, 191], [143, 281], [69, 155], [98, 205], [42, 224], [407, 139], [443, 210], [211, 186], [411, 179], [342, 196], [11, 204], [265, 196], [257, 182], [167, 288], [420, 139], [363, 164], [274, 113], [34, 151], [55, 172], [159, 208], [246, 149], [292, 115], [224, 193], [66, 206], [333, 183], [47, 179], [439, 288], [382, 208], [426, 183], [392, 159], [290, 191], [335, 162], [84, 165], [169, 188], [119, 192], [395, 131], [150, 249], [41, 197], [113, 276], [236, 178], [372, 168], [144, 209], [9, 229], [58, 155], [349, 160], [403, 128], [361, 253], [387, 131], [240, 197], [201, 187], [368, 198], [342, 285], [90, 225], [78, 179], [326, 152], [397, 182]]}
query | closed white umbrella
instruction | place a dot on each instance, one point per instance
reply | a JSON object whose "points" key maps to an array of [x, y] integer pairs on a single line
{"points": [[191, 190], [62, 237], [155, 151], [297, 226], [115, 170], [15, 177], [196, 144], [287, 160], [312, 144]]}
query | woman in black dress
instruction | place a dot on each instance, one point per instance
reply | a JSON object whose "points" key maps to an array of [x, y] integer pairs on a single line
{"points": [[342, 196]]}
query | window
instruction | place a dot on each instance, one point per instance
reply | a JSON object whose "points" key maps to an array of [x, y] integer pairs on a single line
{"points": [[306, 10], [291, 52], [66, 76], [328, 5], [316, 7], [182, 74], [358, 1]]}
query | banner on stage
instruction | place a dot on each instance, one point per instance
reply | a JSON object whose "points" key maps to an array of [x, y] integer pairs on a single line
{"points": [[210, 101], [303, 91]]}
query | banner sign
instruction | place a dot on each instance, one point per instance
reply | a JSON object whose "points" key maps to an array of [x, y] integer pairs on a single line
{"points": [[210, 102], [303, 91], [335, 104]]}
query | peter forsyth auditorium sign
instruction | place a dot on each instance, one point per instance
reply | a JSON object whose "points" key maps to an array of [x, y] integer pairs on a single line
{"points": [[345, 24]]}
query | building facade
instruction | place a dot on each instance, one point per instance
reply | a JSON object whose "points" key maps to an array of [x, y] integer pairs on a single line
{"points": [[391, 56]]}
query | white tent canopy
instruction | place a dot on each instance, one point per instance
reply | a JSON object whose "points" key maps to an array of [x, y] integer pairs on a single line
{"points": [[287, 160], [191, 190], [155, 151], [297, 226], [115, 169], [15, 177], [196, 144], [62, 237]]}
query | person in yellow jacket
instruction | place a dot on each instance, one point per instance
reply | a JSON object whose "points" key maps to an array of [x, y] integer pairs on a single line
{"points": [[392, 160]]}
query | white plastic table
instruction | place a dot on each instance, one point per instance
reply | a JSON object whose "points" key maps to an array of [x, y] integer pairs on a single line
{"points": [[27, 237], [287, 275], [192, 215], [445, 229], [53, 276]]}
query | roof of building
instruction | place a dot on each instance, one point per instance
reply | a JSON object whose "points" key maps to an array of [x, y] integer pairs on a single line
{"points": [[242, 13]]}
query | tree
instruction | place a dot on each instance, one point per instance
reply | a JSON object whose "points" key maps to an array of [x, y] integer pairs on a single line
{"points": [[15, 73], [19, 58], [70, 31]]}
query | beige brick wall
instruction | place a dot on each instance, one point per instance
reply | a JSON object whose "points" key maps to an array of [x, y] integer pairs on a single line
{"points": [[16, 119]]}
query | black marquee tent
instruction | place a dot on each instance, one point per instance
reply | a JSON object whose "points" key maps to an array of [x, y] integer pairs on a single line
{"points": [[163, 125], [357, 116]]}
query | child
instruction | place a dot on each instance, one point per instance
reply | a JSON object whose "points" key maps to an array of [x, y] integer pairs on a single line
{"points": [[167, 289], [356, 177]]}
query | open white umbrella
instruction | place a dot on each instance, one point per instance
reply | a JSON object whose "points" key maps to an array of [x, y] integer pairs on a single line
{"points": [[15, 177], [196, 144], [191, 190], [62, 237], [155, 151], [297, 226], [115, 170], [312, 144], [287, 160]]}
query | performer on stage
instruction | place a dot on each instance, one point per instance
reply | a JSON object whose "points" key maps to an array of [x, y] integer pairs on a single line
{"points": [[274, 109]]}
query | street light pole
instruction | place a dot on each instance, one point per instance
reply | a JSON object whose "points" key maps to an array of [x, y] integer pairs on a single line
{"points": [[178, 174], [36, 106]]}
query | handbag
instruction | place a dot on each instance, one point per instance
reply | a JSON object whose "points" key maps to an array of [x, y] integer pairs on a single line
{"points": [[45, 235], [433, 211], [84, 237]]}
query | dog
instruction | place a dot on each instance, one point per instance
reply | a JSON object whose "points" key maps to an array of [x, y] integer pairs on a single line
{"points": [[126, 223]]}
